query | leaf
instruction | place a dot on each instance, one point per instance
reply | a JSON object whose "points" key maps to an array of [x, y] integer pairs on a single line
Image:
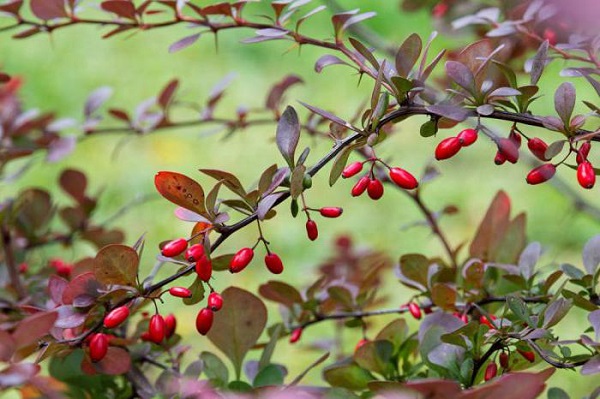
{"points": [[519, 309], [511, 385], [214, 369], [48, 9], [461, 75], [555, 148], [197, 288], [491, 229], [276, 94], [539, 62], [357, 18], [280, 292], [326, 61], [269, 376], [330, 117], [592, 366], [591, 255], [340, 162], [395, 332], [556, 311], [181, 190], [407, 54], [123, 8], [238, 325], [350, 376], [594, 319], [116, 362], [184, 43], [32, 328], [375, 356], [428, 129], [414, 270], [450, 111], [116, 264], [166, 95], [74, 183], [265, 357], [12, 8], [443, 295], [564, 101], [365, 52], [288, 134], [297, 181], [314, 364], [228, 179], [96, 99], [529, 257], [557, 393]]}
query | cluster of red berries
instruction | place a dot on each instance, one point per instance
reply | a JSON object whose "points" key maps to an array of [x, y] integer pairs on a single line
{"points": [[205, 317], [194, 254], [312, 230], [372, 185], [61, 267], [244, 256], [450, 146]]}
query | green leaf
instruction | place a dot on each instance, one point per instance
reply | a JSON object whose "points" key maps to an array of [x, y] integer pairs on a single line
{"points": [[267, 376], [297, 181], [557, 393], [181, 190], [429, 128], [265, 357], [238, 325], [375, 356], [349, 376], [519, 309], [239, 386], [341, 160], [214, 369], [288, 134], [414, 268], [116, 264], [395, 332], [197, 289]]}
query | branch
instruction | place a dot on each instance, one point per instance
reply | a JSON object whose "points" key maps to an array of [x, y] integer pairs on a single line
{"points": [[560, 364]]}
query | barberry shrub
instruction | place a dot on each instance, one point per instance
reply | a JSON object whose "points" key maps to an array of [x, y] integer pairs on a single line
{"points": [[482, 315]]}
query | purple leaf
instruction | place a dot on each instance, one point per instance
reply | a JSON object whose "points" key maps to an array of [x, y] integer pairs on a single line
{"points": [[123, 8], [528, 259], [357, 18], [326, 61], [407, 54], [539, 62], [68, 317], [48, 9], [592, 366], [594, 319], [329, 116], [60, 148], [505, 92], [96, 99], [564, 101], [183, 43], [189, 216], [552, 123], [288, 134], [278, 90], [271, 32], [591, 255], [56, 287], [461, 75], [449, 111], [265, 205]]}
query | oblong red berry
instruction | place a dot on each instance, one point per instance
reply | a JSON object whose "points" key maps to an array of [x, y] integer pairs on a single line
{"points": [[490, 371], [312, 230], [583, 152], [156, 329], [174, 248], [375, 189], [295, 335], [180, 292], [503, 360], [98, 347], [447, 148], [215, 301], [528, 355], [499, 159], [586, 176], [414, 310], [204, 268], [360, 343], [360, 186], [541, 174], [467, 137], [352, 169], [274, 263], [538, 148], [170, 325], [509, 149], [204, 321], [194, 252], [486, 321], [331, 211], [515, 138], [241, 259], [403, 179], [116, 317]]}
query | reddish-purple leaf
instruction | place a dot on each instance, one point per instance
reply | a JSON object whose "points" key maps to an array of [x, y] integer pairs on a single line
{"points": [[120, 114], [330, 117], [280, 292], [74, 183], [217, 9], [327, 60], [48, 9], [278, 90], [123, 8], [85, 283], [183, 43], [514, 385], [461, 75], [56, 287], [117, 361], [33, 327], [117, 264], [564, 101], [165, 97], [288, 134], [356, 19], [450, 111], [539, 62], [265, 205], [96, 99], [492, 228], [7, 346], [12, 8], [27, 33], [181, 190], [407, 54], [69, 317]]}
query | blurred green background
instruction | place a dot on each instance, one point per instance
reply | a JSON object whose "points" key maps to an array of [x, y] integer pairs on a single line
{"points": [[61, 70]]}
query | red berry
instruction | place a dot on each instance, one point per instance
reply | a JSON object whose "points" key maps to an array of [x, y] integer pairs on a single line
{"points": [[375, 189], [467, 137], [295, 335], [241, 259], [490, 371], [331, 212], [23, 267], [586, 175], [550, 35], [439, 10], [403, 179], [274, 263], [500, 158], [145, 336], [541, 174], [352, 169], [360, 186], [509, 149], [62, 268], [98, 347], [504, 360], [311, 230], [528, 355], [174, 248], [215, 301], [538, 148], [583, 152], [156, 328], [204, 268], [180, 292], [515, 138], [359, 344], [170, 325], [414, 310], [447, 148], [204, 321], [194, 252], [485, 321], [116, 317]]}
